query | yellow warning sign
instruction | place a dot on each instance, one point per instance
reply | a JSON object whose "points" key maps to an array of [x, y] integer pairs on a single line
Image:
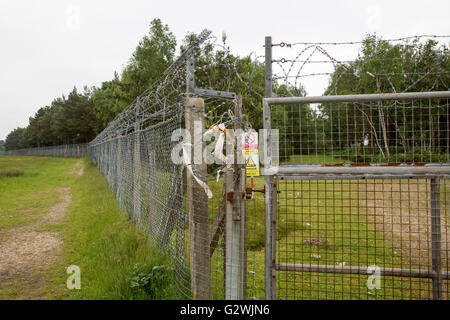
{"points": [[250, 162], [253, 172], [252, 167], [250, 151]]}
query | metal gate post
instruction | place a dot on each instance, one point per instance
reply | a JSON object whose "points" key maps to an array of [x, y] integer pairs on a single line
{"points": [[436, 238], [235, 226], [269, 181], [240, 185]]}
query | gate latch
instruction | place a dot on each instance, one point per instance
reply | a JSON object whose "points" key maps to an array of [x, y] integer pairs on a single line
{"points": [[249, 192]]}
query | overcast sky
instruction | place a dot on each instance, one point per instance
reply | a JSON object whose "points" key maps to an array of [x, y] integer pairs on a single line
{"points": [[47, 47]]}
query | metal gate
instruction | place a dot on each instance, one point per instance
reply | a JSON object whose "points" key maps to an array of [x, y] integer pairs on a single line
{"points": [[347, 228], [357, 191]]}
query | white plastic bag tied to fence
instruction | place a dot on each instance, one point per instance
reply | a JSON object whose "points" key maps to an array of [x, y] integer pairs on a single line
{"points": [[218, 148], [187, 163]]}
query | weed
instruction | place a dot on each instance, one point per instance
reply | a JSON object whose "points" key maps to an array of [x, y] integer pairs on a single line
{"points": [[11, 172]]}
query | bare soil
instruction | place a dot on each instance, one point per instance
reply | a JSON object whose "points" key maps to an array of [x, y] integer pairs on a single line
{"points": [[400, 210], [78, 169], [25, 250]]}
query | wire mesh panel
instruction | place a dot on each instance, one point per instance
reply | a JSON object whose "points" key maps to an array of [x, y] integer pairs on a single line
{"points": [[413, 131], [359, 239]]}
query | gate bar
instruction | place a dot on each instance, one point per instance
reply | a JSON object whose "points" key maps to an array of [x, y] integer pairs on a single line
{"points": [[411, 273], [270, 196], [431, 170], [436, 238], [360, 97], [360, 177]]}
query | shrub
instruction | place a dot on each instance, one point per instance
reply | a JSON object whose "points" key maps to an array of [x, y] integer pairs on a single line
{"points": [[11, 172], [154, 281]]}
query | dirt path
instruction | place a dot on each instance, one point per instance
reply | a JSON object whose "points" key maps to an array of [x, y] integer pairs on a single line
{"points": [[400, 209], [27, 250], [78, 169]]}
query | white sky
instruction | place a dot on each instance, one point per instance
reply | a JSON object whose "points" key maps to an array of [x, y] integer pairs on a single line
{"points": [[47, 47]]}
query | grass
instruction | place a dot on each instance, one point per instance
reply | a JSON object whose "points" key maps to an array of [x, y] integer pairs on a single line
{"points": [[312, 159], [116, 260], [23, 198]]}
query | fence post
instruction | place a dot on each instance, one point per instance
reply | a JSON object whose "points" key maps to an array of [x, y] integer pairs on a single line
{"points": [[269, 182], [200, 265], [235, 257], [200, 260], [137, 167], [436, 237]]}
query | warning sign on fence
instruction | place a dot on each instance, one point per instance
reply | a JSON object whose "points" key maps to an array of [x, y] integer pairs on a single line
{"points": [[250, 150]]}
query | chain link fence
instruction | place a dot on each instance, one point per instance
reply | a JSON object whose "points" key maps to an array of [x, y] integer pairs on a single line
{"points": [[149, 158], [69, 150]]}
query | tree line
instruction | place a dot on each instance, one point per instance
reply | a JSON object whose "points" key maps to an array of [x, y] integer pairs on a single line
{"points": [[81, 115], [391, 131]]}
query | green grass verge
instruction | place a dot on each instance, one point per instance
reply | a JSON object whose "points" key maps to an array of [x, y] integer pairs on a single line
{"points": [[23, 198], [116, 260]]}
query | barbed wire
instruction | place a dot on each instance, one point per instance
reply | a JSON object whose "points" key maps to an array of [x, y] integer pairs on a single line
{"points": [[372, 74], [308, 63], [290, 45]]}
